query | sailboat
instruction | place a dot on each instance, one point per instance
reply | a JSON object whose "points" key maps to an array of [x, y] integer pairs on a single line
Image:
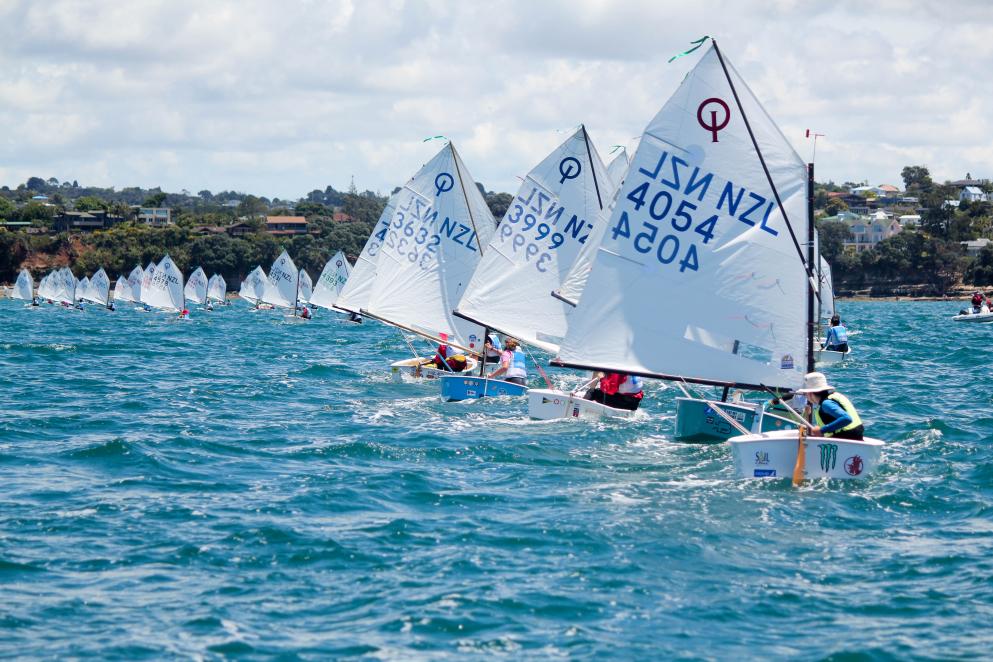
{"points": [[703, 274], [331, 281], [282, 288], [305, 289], [354, 294], [429, 252], [165, 291], [546, 225], [24, 287], [253, 287], [81, 290], [132, 289], [122, 289], [217, 289], [196, 287], [97, 288], [826, 310], [146, 284]]}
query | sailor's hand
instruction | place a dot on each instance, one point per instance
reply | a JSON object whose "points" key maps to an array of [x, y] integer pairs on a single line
{"points": [[815, 431]]}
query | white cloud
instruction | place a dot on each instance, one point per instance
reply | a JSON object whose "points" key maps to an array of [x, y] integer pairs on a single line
{"points": [[281, 98]]}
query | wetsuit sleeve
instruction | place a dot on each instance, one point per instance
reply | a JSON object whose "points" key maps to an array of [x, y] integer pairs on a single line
{"points": [[841, 416]]}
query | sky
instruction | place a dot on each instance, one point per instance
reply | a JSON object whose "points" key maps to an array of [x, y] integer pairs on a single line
{"points": [[280, 98]]}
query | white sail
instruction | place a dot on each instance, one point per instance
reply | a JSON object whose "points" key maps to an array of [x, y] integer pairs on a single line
{"points": [[537, 242], [146, 282], [618, 167], [196, 287], [45, 287], [253, 287], [333, 279], [430, 250], [217, 288], [306, 288], [281, 288], [354, 294], [98, 288], [698, 275], [24, 287], [82, 290], [67, 285], [131, 289], [165, 291], [122, 289], [827, 288]]}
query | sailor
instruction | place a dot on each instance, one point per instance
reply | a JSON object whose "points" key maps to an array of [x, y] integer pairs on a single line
{"points": [[492, 348], [35, 301], [210, 305], [618, 390], [834, 414], [305, 313], [185, 315], [837, 336], [979, 305], [513, 364], [111, 305], [355, 317]]}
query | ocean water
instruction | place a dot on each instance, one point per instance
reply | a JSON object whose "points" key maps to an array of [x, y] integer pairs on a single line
{"points": [[242, 486]]}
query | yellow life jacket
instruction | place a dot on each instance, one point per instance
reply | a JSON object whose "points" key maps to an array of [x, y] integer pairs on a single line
{"points": [[849, 408]]}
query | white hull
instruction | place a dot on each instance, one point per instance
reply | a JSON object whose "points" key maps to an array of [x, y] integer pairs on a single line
{"points": [[829, 357], [774, 454], [547, 404], [409, 369], [976, 318]]}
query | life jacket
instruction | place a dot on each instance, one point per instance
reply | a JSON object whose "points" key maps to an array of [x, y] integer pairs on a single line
{"points": [[826, 419], [518, 365], [457, 363], [630, 385]]}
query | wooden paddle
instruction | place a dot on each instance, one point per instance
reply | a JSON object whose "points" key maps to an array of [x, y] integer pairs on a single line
{"points": [[801, 452]]}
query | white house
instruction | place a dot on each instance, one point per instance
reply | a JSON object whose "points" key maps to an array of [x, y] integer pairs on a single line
{"points": [[973, 247], [973, 194], [867, 231]]}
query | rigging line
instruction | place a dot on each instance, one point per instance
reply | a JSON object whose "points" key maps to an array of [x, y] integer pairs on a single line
{"points": [[589, 155], [465, 196], [765, 168]]}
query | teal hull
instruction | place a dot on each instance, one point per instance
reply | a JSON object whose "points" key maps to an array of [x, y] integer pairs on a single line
{"points": [[697, 422]]}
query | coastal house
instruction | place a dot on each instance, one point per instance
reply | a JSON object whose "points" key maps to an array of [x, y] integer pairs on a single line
{"points": [[867, 230], [155, 216], [286, 225], [909, 221], [84, 221], [972, 248], [341, 217], [240, 229], [973, 194]]}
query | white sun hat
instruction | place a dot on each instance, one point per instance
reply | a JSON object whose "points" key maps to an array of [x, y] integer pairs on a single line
{"points": [[814, 382]]}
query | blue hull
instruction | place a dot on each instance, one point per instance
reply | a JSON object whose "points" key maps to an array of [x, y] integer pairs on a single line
{"points": [[459, 387]]}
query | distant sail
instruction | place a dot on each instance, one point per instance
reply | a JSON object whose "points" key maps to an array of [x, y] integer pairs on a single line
{"points": [[430, 251], [122, 289], [217, 288], [196, 287], [306, 288], [67, 285], [618, 168], [146, 282], [540, 236], [132, 289], [698, 275], [45, 288], [332, 280], [354, 294], [282, 286], [24, 287], [253, 287], [82, 290], [98, 288], [166, 289]]}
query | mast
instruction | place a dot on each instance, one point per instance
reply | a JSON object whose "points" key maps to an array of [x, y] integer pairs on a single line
{"points": [[296, 295], [810, 260]]}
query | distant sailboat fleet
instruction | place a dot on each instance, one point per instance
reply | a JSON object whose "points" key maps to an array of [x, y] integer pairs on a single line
{"points": [[694, 261]]}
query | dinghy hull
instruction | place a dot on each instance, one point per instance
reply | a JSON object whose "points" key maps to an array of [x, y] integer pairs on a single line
{"points": [[697, 422], [463, 387], [829, 357], [774, 455], [409, 369], [547, 404], [976, 318]]}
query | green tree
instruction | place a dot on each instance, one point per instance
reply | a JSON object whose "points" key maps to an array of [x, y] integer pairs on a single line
{"points": [[154, 200], [980, 270], [37, 213], [7, 209], [90, 203], [835, 206], [916, 178], [832, 238]]}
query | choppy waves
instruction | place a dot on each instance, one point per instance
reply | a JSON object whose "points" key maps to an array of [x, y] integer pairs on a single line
{"points": [[238, 486]]}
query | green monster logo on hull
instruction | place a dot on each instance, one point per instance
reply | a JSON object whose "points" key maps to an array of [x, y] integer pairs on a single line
{"points": [[829, 456]]}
